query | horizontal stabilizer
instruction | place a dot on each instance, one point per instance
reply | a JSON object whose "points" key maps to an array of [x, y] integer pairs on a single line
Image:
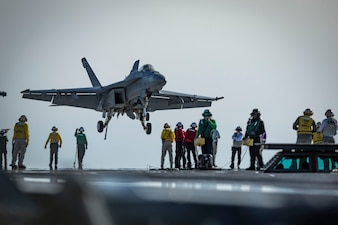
{"points": [[91, 74]]}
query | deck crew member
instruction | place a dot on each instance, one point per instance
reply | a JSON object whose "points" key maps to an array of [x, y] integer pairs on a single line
{"points": [[3, 149], [55, 142], [190, 134], [82, 145], [167, 137], [317, 137], [254, 129], [305, 126], [329, 127], [20, 141]]}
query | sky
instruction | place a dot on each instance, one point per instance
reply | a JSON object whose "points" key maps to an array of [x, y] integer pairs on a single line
{"points": [[278, 56]]}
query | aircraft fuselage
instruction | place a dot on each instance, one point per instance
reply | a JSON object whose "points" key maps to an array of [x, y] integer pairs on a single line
{"points": [[145, 83]]}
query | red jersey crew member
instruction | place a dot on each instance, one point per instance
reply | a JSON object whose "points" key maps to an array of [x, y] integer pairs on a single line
{"points": [[190, 135], [55, 142], [179, 138], [20, 142]]}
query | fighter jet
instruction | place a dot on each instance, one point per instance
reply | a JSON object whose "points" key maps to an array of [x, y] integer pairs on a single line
{"points": [[137, 95]]}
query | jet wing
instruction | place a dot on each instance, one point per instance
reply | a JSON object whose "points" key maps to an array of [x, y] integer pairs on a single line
{"points": [[175, 100], [77, 97]]}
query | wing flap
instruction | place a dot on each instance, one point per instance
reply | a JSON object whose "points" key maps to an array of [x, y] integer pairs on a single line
{"points": [[175, 100], [80, 97], [38, 96], [88, 101]]}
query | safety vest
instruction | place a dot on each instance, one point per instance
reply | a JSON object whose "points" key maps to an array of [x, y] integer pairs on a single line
{"points": [[81, 139], [54, 137], [168, 135], [21, 131], [305, 124]]}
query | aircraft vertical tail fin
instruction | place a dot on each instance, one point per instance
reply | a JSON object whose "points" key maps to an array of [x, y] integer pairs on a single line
{"points": [[91, 74], [135, 66]]}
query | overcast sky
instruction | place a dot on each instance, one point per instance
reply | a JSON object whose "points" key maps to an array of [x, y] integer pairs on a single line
{"points": [[278, 56]]}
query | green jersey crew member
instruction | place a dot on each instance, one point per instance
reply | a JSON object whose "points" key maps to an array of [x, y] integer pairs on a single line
{"points": [[205, 126], [82, 145], [3, 149]]}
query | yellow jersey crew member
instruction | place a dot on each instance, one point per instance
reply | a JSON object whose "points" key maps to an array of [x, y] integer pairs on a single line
{"points": [[167, 137], [20, 142], [317, 137], [305, 126], [55, 142]]}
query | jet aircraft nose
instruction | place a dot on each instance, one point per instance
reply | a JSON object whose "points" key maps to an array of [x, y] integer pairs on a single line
{"points": [[157, 82], [161, 79]]}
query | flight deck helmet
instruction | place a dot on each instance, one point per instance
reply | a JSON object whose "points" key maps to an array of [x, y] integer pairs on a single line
{"points": [[308, 112], [193, 125], [238, 128], [329, 113], [255, 112], [206, 113], [23, 118]]}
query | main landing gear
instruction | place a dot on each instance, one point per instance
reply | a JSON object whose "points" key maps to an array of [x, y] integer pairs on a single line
{"points": [[101, 125], [147, 127]]}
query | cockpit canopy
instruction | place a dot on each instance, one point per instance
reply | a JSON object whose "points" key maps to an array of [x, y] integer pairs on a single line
{"points": [[147, 68]]}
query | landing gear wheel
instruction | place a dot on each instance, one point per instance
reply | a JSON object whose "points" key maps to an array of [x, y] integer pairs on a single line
{"points": [[148, 131], [100, 126], [147, 116]]}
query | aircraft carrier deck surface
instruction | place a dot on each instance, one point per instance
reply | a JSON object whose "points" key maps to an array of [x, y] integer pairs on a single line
{"points": [[133, 196]]}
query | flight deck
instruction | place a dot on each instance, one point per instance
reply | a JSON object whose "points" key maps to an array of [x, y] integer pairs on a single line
{"points": [[134, 196]]}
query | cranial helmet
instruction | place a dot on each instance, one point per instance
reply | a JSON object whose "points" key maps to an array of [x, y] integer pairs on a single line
{"points": [[166, 125], [81, 129], [23, 118], [179, 124], [255, 112], [329, 113], [206, 113], [308, 112], [54, 128], [238, 128], [194, 125]]}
